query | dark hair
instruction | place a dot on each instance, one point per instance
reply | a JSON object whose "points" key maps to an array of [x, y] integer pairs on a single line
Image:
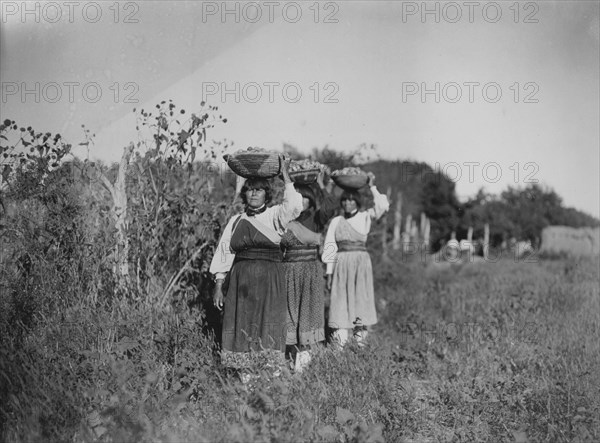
{"points": [[257, 183], [351, 195], [308, 192]]}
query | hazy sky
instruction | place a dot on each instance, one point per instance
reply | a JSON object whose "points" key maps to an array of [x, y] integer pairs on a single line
{"points": [[512, 98]]}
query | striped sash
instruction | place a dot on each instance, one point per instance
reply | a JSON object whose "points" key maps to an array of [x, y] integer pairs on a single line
{"points": [[348, 246], [301, 253], [270, 254]]}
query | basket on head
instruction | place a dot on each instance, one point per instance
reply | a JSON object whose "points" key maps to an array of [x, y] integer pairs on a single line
{"points": [[305, 176], [305, 172], [350, 178], [254, 163]]}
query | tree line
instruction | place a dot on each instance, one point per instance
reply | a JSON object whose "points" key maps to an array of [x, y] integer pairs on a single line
{"points": [[519, 213]]}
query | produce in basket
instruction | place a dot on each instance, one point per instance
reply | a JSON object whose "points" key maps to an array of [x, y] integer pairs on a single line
{"points": [[350, 178], [305, 171], [254, 162]]}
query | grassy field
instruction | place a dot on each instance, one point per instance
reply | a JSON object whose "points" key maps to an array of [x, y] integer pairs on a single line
{"points": [[476, 352]]}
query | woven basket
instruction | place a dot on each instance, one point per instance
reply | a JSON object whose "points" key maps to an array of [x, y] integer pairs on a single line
{"points": [[304, 176], [252, 164], [354, 181]]}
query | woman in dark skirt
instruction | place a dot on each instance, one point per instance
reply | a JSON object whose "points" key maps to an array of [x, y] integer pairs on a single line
{"points": [[248, 262], [304, 270]]}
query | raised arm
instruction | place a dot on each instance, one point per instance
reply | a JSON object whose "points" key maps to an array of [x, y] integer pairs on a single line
{"points": [[291, 207], [380, 201], [330, 204], [239, 184]]}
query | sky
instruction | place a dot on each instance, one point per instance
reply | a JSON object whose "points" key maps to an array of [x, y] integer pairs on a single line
{"points": [[495, 94]]}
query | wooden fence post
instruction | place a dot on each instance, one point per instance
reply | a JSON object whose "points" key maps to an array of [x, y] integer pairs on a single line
{"points": [[407, 233], [397, 223], [414, 231], [426, 234], [118, 192], [384, 243], [486, 240]]}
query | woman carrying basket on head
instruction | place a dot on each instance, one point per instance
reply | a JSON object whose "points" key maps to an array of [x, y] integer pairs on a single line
{"points": [[349, 269], [304, 270], [248, 263]]}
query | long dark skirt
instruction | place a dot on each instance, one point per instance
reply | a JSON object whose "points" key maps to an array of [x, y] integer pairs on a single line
{"points": [[254, 323], [305, 313]]}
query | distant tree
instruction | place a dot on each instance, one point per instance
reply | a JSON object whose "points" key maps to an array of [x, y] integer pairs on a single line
{"points": [[332, 158], [575, 218], [479, 211], [441, 205], [520, 213], [423, 190]]}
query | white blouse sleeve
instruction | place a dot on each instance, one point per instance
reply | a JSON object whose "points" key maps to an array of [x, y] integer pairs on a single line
{"points": [[223, 257], [289, 209], [381, 204], [330, 248]]}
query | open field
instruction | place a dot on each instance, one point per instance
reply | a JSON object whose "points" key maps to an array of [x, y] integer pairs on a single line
{"points": [[480, 352]]}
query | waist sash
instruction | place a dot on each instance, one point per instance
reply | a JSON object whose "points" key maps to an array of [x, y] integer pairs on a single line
{"points": [[348, 246], [301, 253], [270, 254]]}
